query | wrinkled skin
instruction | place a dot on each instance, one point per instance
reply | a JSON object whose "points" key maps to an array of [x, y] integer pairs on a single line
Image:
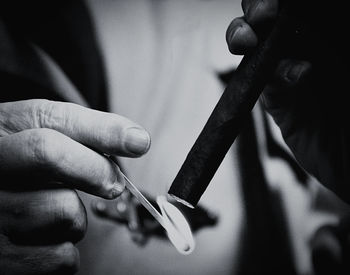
{"points": [[45, 153]]}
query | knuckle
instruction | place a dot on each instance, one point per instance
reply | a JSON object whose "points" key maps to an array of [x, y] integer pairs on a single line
{"points": [[68, 259], [38, 142], [40, 111], [44, 143], [51, 114], [73, 214]]}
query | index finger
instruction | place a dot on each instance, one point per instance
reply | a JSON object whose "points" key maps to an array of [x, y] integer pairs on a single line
{"points": [[258, 12], [106, 132]]}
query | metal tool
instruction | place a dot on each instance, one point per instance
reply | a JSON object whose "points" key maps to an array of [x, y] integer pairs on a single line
{"points": [[171, 219], [142, 199]]}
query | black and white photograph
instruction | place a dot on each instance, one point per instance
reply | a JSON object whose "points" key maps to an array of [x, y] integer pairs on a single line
{"points": [[174, 137]]}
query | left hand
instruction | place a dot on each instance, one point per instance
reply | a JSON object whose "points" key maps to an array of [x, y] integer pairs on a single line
{"points": [[307, 95]]}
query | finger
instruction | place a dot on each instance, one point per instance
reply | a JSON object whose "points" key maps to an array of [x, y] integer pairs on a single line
{"points": [[288, 77], [280, 96], [292, 72], [43, 217], [106, 132], [48, 153], [240, 37], [42, 260], [259, 12]]}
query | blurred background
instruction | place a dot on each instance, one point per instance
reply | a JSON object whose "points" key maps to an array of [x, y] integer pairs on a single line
{"points": [[166, 64]]}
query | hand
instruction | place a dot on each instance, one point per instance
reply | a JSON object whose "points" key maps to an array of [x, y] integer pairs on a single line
{"points": [[306, 97], [47, 149]]}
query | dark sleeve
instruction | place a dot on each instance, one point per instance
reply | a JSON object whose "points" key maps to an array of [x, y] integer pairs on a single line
{"points": [[65, 31]]}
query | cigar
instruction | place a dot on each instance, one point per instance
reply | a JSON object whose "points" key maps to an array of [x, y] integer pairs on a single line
{"points": [[232, 111]]}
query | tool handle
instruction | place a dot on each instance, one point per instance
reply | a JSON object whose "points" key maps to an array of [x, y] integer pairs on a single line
{"points": [[231, 112]]}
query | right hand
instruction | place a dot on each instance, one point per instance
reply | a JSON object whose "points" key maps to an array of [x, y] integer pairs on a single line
{"points": [[306, 97], [47, 149]]}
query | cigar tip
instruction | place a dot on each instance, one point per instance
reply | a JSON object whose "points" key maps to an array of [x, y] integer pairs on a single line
{"points": [[182, 201]]}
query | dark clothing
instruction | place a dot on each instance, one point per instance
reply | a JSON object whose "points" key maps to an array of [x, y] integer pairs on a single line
{"points": [[64, 30]]}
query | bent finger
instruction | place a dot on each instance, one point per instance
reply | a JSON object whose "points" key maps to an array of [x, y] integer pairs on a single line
{"points": [[106, 132], [54, 156], [40, 260], [292, 72], [43, 217], [240, 37], [260, 12], [281, 95]]}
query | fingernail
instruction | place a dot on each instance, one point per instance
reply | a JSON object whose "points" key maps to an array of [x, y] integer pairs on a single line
{"points": [[236, 32], [118, 189], [137, 141], [118, 183]]}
